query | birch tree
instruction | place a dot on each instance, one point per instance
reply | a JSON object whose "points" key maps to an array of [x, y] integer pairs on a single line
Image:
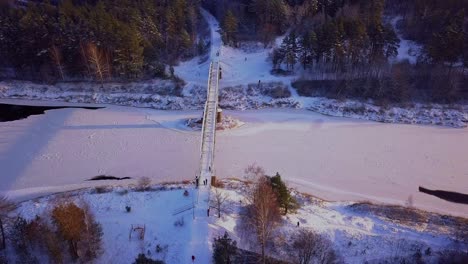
{"points": [[97, 61], [56, 56], [218, 201], [263, 212]]}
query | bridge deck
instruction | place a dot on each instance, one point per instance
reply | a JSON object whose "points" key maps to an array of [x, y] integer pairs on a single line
{"points": [[199, 244], [209, 124]]}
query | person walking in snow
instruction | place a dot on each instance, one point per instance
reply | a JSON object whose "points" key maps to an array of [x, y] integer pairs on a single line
{"points": [[193, 258]]}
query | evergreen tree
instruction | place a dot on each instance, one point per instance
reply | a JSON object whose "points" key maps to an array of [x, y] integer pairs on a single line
{"points": [[291, 49], [271, 16], [307, 44], [448, 44], [42, 40], [143, 259], [224, 249], [277, 57], [285, 200], [230, 27]]}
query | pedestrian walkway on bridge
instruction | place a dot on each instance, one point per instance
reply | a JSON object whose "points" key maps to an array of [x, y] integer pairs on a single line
{"points": [[200, 244]]}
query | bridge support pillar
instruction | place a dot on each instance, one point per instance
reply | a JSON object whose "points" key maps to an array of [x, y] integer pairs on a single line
{"points": [[219, 115]]}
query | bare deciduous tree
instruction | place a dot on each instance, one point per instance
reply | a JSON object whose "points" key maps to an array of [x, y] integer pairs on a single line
{"points": [[263, 212], [91, 243], [97, 61], [70, 223], [56, 56], [253, 172], [84, 57], [310, 247], [304, 246], [218, 200]]}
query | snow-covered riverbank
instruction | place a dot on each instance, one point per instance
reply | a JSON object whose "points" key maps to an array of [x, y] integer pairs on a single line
{"points": [[358, 232], [333, 158], [164, 96]]}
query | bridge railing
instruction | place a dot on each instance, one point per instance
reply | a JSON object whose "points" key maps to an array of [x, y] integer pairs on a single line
{"points": [[205, 110], [213, 73]]}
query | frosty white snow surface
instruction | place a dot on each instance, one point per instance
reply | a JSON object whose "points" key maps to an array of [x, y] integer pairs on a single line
{"points": [[333, 158]]}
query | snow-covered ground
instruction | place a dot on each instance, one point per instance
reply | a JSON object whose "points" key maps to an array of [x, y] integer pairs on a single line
{"points": [[239, 97], [359, 232], [153, 210], [238, 66], [408, 50], [333, 158]]}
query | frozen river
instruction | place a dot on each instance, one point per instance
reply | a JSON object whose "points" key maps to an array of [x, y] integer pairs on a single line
{"points": [[333, 158]]}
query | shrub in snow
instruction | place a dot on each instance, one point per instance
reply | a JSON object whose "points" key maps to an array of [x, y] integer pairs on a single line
{"points": [[428, 251], [310, 247], [224, 249], [19, 238], [79, 228], [102, 189], [40, 234], [454, 257], [5, 207], [143, 184], [276, 91], [179, 222], [122, 192], [143, 259], [161, 249]]}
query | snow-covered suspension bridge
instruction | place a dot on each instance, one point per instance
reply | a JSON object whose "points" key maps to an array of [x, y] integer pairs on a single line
{"points": [[209, 124], [199, 245]]}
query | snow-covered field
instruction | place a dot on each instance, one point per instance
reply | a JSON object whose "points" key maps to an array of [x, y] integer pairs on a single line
{"points": [[333, 158], [358, 232], [152, 210]]}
